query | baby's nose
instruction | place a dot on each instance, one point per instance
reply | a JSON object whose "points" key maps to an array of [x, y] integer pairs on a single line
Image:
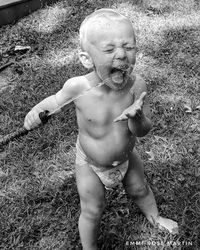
{"points": [[120, 54]]}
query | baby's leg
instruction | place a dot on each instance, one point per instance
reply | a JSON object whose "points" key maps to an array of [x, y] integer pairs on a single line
{"points": [[137, 187], [92, 199]]}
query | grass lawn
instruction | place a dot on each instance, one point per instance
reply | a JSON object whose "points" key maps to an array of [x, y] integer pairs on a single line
{"points": [[39, 204]]}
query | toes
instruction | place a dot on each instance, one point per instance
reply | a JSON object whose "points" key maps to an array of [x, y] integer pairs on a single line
{"points": [[175, 230], [168, 225]]}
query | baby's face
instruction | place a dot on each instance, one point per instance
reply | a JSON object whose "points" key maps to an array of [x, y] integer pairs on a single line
{"points": [[113, 51]]}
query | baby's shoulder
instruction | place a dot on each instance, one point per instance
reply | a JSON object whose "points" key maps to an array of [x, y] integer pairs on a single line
{"points": [[75, 84], [77, 81]]}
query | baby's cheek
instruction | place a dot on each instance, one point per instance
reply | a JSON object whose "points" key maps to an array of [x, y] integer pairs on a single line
{"points": [[102, 73]]}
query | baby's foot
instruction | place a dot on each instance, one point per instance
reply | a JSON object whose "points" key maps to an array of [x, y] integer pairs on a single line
{"points": [[166, 224]]}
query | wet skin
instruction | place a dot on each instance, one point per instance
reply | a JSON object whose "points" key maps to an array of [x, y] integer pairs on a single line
{"points": [[113, 53]]}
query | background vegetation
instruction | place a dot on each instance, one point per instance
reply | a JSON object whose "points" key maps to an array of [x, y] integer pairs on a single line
{"points": [[39, 204]]}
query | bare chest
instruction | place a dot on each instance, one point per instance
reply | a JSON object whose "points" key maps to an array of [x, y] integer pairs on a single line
{"points": [[101, 110]]}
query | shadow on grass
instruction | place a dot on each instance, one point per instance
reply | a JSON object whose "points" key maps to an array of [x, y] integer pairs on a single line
{"points": [[179, 54], [40, 213], [180, 49]]}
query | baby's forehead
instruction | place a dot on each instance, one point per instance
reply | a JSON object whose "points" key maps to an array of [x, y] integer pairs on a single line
{"points": [[99, 22], [104, 28], [99, 27]]}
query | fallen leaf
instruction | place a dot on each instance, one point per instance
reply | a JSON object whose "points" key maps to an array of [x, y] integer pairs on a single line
{"points": [[123, 212], [151, 154], [188, 109], [19, 47], [181, 177]]}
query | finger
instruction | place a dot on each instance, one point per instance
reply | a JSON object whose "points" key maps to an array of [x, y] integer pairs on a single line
{"points": [[36, 119], [122, 117], [26, 125], [131, 113], [32, 121], [142, 96]]}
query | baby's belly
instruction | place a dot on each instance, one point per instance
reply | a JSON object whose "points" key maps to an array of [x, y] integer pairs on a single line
{"points": [[109, 148]]}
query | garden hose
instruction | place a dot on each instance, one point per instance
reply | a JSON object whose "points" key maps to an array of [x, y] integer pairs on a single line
{"points": [[44, 117]]}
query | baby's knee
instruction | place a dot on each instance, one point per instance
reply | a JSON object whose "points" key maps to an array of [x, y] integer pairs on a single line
{"points": [[138, 191], [93, 211]]}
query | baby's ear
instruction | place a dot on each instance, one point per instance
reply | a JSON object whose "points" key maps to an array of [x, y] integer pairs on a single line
{"points": [[86, 60]]}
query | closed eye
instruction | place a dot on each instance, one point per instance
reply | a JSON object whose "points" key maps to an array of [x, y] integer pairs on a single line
{"points": [[109, 50]]}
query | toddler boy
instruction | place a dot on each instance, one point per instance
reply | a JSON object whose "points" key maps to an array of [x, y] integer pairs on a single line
{"points": [[109, 118]]}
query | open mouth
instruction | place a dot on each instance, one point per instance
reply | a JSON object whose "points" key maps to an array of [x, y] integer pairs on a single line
{"points": [[118, 73]]}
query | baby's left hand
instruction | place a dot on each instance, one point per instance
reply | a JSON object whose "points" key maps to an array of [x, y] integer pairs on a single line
{"points": [[134, 110]]}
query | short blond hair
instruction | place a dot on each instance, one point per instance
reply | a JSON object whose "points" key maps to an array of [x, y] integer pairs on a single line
{"points": [[108, 14]]}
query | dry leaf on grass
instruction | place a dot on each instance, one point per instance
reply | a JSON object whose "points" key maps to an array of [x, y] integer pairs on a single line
{"points": [[20, 48], [187, 109], [151, 154]]}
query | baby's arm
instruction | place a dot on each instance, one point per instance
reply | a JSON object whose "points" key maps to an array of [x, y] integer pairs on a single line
{"points": [[140, 124], [52, 103], [138, 114]]}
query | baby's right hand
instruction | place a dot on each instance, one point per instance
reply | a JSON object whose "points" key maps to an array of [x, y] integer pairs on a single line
{"points": [[32, 119]]}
